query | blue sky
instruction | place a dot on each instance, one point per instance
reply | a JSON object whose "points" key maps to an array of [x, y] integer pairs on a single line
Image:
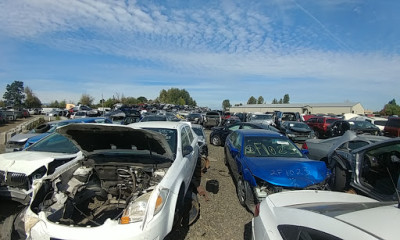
{"points": [[327, 51]]}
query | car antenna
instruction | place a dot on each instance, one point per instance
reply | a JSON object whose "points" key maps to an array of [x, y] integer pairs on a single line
{"points": [[395, 187]]}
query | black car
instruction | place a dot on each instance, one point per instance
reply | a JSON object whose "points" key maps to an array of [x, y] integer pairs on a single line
{"points": [[339, 127], [297, 131], [195, 118], [219, 134], [372, 170]]}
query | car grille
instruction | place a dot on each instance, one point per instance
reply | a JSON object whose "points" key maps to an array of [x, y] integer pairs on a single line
{"points": [[14, 179]]}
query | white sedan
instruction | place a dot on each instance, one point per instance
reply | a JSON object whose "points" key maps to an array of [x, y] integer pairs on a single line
{"points": [[308, 214], [130, 185]]}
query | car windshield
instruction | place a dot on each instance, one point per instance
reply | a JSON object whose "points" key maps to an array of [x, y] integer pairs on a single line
{"points": [[198, 131], [263, 146], [54, 143], [170, 135], [262, 117], [361, 124]]}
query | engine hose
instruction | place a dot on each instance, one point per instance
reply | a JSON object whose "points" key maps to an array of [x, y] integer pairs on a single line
{"points": [[132, 176]]}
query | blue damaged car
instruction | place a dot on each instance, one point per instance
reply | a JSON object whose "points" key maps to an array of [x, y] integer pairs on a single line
{"points": [[263, 162]]}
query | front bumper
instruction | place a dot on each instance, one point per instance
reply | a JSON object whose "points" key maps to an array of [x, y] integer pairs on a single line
{"points": [[111, 229]]}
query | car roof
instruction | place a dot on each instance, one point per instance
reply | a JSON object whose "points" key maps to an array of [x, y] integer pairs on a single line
{"points": [[379, 219], [158, 124], [259, 132]]}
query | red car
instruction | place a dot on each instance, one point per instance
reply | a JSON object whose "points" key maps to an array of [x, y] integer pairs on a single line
{"points": [[320, 125]]}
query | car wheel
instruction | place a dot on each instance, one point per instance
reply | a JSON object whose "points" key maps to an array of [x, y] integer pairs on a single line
{"points": [[216, 140], [340, 179], [245, 194], [42, 128]]}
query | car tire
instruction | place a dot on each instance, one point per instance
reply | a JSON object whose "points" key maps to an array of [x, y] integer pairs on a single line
{"points": [[245, 194], [216, 140], [340, 179], [42, 128]]}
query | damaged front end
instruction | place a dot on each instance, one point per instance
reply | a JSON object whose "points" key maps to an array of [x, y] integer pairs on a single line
{"points": [[264, 188], [88, 195]]}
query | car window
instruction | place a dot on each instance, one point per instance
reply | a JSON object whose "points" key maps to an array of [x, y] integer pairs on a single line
{"points": [[320, 120], [330, 120], [198, 131], [185, 141], [169, 134], [190, 134], [357, 144], [293, 232], [54, 143], [264, 146], [234, 127], [381, 168]]}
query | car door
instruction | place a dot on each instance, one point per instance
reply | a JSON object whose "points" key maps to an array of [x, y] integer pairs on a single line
{"points": [[188, 140], [233, 153]]}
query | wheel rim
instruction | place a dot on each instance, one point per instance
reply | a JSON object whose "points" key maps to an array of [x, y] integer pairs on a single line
{"points": [[215, 140], [241, 191]]}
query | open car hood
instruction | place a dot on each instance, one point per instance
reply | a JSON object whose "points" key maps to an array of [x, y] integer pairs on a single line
{"points": [[90, 138], [288, 172]]}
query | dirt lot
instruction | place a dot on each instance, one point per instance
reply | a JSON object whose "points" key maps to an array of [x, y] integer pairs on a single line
{"points": [[222, 217]]}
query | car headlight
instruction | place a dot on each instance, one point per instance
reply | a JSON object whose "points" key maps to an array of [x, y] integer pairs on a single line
{"points": [[30, 220], [137, 210]]}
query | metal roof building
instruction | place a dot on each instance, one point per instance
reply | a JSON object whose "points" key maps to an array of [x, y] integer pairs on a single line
{"points": [[303, 108]]}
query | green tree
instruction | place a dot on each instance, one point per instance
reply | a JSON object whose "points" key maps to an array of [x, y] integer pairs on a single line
{"points": [[31, 100], [286, 99], [142, 99], [173, 96], [226, 104], [2, 104], [260, 100], [15, 94], [391, 108], [274, 101], [252, 100], [86, 99], [280, 101]]}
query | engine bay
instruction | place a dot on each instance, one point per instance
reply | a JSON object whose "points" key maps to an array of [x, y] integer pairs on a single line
{"points": [[91, 193]]}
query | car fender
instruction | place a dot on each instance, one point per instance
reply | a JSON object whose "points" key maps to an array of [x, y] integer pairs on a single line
{"points": [[248, 176]]}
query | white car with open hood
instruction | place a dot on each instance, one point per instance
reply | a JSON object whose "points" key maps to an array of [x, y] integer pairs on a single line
{"points": [[130, 185], [19, 169]]}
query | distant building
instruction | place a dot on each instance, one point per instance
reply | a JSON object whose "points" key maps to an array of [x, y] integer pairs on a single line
{"points": [[303, 108]]}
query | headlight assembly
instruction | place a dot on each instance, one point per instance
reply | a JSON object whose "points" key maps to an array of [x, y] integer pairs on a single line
{"points": [[137, 210]]}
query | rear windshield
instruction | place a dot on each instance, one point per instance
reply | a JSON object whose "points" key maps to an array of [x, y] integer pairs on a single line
{"points": [[330, 120], [394, 122], [263, 146]]}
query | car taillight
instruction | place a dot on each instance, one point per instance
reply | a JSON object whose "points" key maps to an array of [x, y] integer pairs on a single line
{"points": [[304, 146], [257, 210]]}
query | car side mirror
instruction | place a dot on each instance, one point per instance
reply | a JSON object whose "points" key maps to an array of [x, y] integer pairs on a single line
{"points": [[187, 150], [305, 151]]}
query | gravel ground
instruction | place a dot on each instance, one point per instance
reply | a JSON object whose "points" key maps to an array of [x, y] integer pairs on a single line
{"points": [[222, 217]]}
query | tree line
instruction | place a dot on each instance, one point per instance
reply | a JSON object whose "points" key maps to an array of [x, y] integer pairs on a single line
{"points": [[18, 96], [260, 100]]}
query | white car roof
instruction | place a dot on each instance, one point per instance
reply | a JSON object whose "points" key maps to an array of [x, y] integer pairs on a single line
{"points": [[379, 219], [158, 124]]}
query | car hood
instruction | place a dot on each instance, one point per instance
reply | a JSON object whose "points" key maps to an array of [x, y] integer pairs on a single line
{"points": [[28, 161], [22, 137], [90, 138], [288, 172]]}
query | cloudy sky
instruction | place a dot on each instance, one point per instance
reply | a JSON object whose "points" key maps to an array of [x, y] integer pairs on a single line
{"points": [[327, 51]]}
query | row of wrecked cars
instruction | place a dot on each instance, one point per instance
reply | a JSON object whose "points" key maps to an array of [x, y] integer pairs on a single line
{"points": [[91, 180]]}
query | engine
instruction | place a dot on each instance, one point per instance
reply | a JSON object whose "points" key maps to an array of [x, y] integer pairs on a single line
{"points": [[93, 193]]}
